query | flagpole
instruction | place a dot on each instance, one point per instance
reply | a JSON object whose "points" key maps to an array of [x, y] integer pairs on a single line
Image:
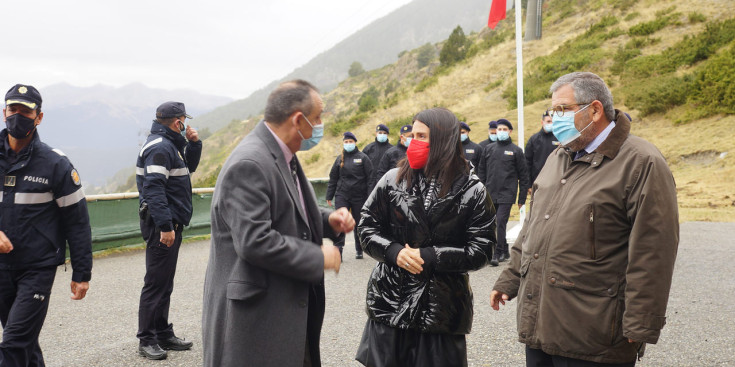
{"points": [[519, 72]]}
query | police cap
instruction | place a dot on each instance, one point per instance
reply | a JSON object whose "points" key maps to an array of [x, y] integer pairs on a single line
{"points": [[26, 95]]}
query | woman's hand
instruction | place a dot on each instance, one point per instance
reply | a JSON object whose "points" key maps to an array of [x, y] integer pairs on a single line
{"points": [[410, 259]]}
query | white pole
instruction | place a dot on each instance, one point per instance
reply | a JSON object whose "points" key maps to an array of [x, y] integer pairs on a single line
{"points": [[519, 73]]}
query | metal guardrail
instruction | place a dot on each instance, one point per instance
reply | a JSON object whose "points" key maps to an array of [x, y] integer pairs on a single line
{"points": [[115, 223]]}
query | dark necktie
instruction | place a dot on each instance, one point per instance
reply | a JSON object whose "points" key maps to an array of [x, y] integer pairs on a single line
{"points": [[293, 171]]}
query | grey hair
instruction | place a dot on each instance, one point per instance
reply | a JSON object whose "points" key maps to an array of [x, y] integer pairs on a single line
{"points": [[587, 87], [287, 98]]}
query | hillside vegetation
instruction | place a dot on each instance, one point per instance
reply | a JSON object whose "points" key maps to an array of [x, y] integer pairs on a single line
{"points": [[670, 64]]}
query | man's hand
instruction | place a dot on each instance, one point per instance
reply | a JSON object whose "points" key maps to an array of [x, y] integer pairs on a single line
{"points": [[497, 298], [5, 245], [191, 134], [332, 258], [167, 238], [79, 290], [329, 202], [410, 259], [341, 221]]}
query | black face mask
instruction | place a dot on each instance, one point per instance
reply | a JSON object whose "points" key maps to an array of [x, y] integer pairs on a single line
{"points": [[20, 126]]}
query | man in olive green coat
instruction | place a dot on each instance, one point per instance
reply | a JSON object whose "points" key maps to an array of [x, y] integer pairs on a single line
{"points": [[593, 264]]}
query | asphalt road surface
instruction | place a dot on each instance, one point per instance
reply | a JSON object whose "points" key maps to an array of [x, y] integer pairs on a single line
{"points": [[100, 330]]}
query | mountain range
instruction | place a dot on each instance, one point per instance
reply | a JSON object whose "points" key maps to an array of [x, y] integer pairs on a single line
{"points": [[377, 44], [100, 128]]}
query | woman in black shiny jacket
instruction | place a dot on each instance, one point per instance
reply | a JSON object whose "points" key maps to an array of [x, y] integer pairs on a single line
{"points": [[427, 227]]}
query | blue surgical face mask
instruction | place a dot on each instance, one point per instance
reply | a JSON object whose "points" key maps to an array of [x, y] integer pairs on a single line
{"points": [[503, 135], [349, 147], [317, 132], [493, 137], [382, 138], [182, 128], [408, 142], [548, 127], [463, 137], [563, 126]]}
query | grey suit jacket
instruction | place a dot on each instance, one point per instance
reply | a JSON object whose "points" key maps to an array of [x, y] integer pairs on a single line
{"points": [[264, 260]]}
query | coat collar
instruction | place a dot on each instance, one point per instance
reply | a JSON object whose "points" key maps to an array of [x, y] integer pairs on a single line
{"points": [[178, 140], [25, 153], [611, 146]]}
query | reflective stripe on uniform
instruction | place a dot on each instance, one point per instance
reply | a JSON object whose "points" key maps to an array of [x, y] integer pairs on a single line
{"points": [[33, 198], [180, 172], [157, 169], [59, 152], [1, 196], [152, 142], [71, 199], [139, 171]]}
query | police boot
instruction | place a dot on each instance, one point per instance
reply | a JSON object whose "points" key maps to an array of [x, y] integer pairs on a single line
{"points": [[494, 261]]}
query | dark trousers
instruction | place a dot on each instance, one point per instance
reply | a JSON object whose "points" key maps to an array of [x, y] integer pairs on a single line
{"points": [[24, 299], [354, 205], [502, 213], [155, 298], [538, 358]]}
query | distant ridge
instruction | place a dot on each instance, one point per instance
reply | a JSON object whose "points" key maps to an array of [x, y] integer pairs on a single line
{"points": [[374, 46]]}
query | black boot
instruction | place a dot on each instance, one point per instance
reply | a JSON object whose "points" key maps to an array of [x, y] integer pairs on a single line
{"points": [[494, 261]]}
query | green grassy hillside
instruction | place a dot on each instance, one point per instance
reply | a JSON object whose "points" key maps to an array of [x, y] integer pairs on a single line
{"points": [[670, 64]]}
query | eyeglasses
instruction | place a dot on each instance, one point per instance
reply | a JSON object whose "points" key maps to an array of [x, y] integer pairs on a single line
{"points": [[560, 109]]}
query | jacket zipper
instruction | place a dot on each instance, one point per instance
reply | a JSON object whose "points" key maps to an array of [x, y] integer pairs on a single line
{"points": [[592, 230]]}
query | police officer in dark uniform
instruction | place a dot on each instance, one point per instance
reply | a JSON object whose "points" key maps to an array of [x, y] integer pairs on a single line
{"points": [[376, 150], [539, 146], [396, 153], [162, 174], [472, 151], [506, 176], [492, 135], [42, 208], [350, 181]]}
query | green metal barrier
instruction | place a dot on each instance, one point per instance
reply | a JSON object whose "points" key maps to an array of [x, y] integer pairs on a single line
{"points": [[115, 222]]}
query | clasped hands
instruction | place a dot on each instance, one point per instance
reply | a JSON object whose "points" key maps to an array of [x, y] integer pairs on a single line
{"points": [[410, 259]]}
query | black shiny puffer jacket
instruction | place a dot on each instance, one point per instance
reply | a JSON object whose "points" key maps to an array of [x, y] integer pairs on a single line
{"points": [[456, 235]]}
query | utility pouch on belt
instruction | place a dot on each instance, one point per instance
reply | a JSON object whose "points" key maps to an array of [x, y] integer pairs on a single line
{"points": [[143, 211]]}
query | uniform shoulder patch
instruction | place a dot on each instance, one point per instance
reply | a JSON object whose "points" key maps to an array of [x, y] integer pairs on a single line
{"points": [[75, 177]]}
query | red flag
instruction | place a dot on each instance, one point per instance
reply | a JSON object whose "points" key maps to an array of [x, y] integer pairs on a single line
{"points": [[497, 13]]}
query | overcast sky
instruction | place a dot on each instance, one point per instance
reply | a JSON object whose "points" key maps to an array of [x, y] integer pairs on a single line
{"points": [[228, 48]]}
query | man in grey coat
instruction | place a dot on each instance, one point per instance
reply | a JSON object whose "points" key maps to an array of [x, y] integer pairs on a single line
{"points": [[264, 286]]}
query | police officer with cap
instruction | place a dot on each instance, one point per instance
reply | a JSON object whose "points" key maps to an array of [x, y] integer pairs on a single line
{"points": [[376, 150], [506, 177], [43, 208], [166, 160], [539, 146], [395, 154], [350, 183], [472, 151], [492, 134]]}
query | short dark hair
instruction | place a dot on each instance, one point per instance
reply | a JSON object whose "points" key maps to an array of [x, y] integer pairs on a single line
{"points": [[287, 98]]}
